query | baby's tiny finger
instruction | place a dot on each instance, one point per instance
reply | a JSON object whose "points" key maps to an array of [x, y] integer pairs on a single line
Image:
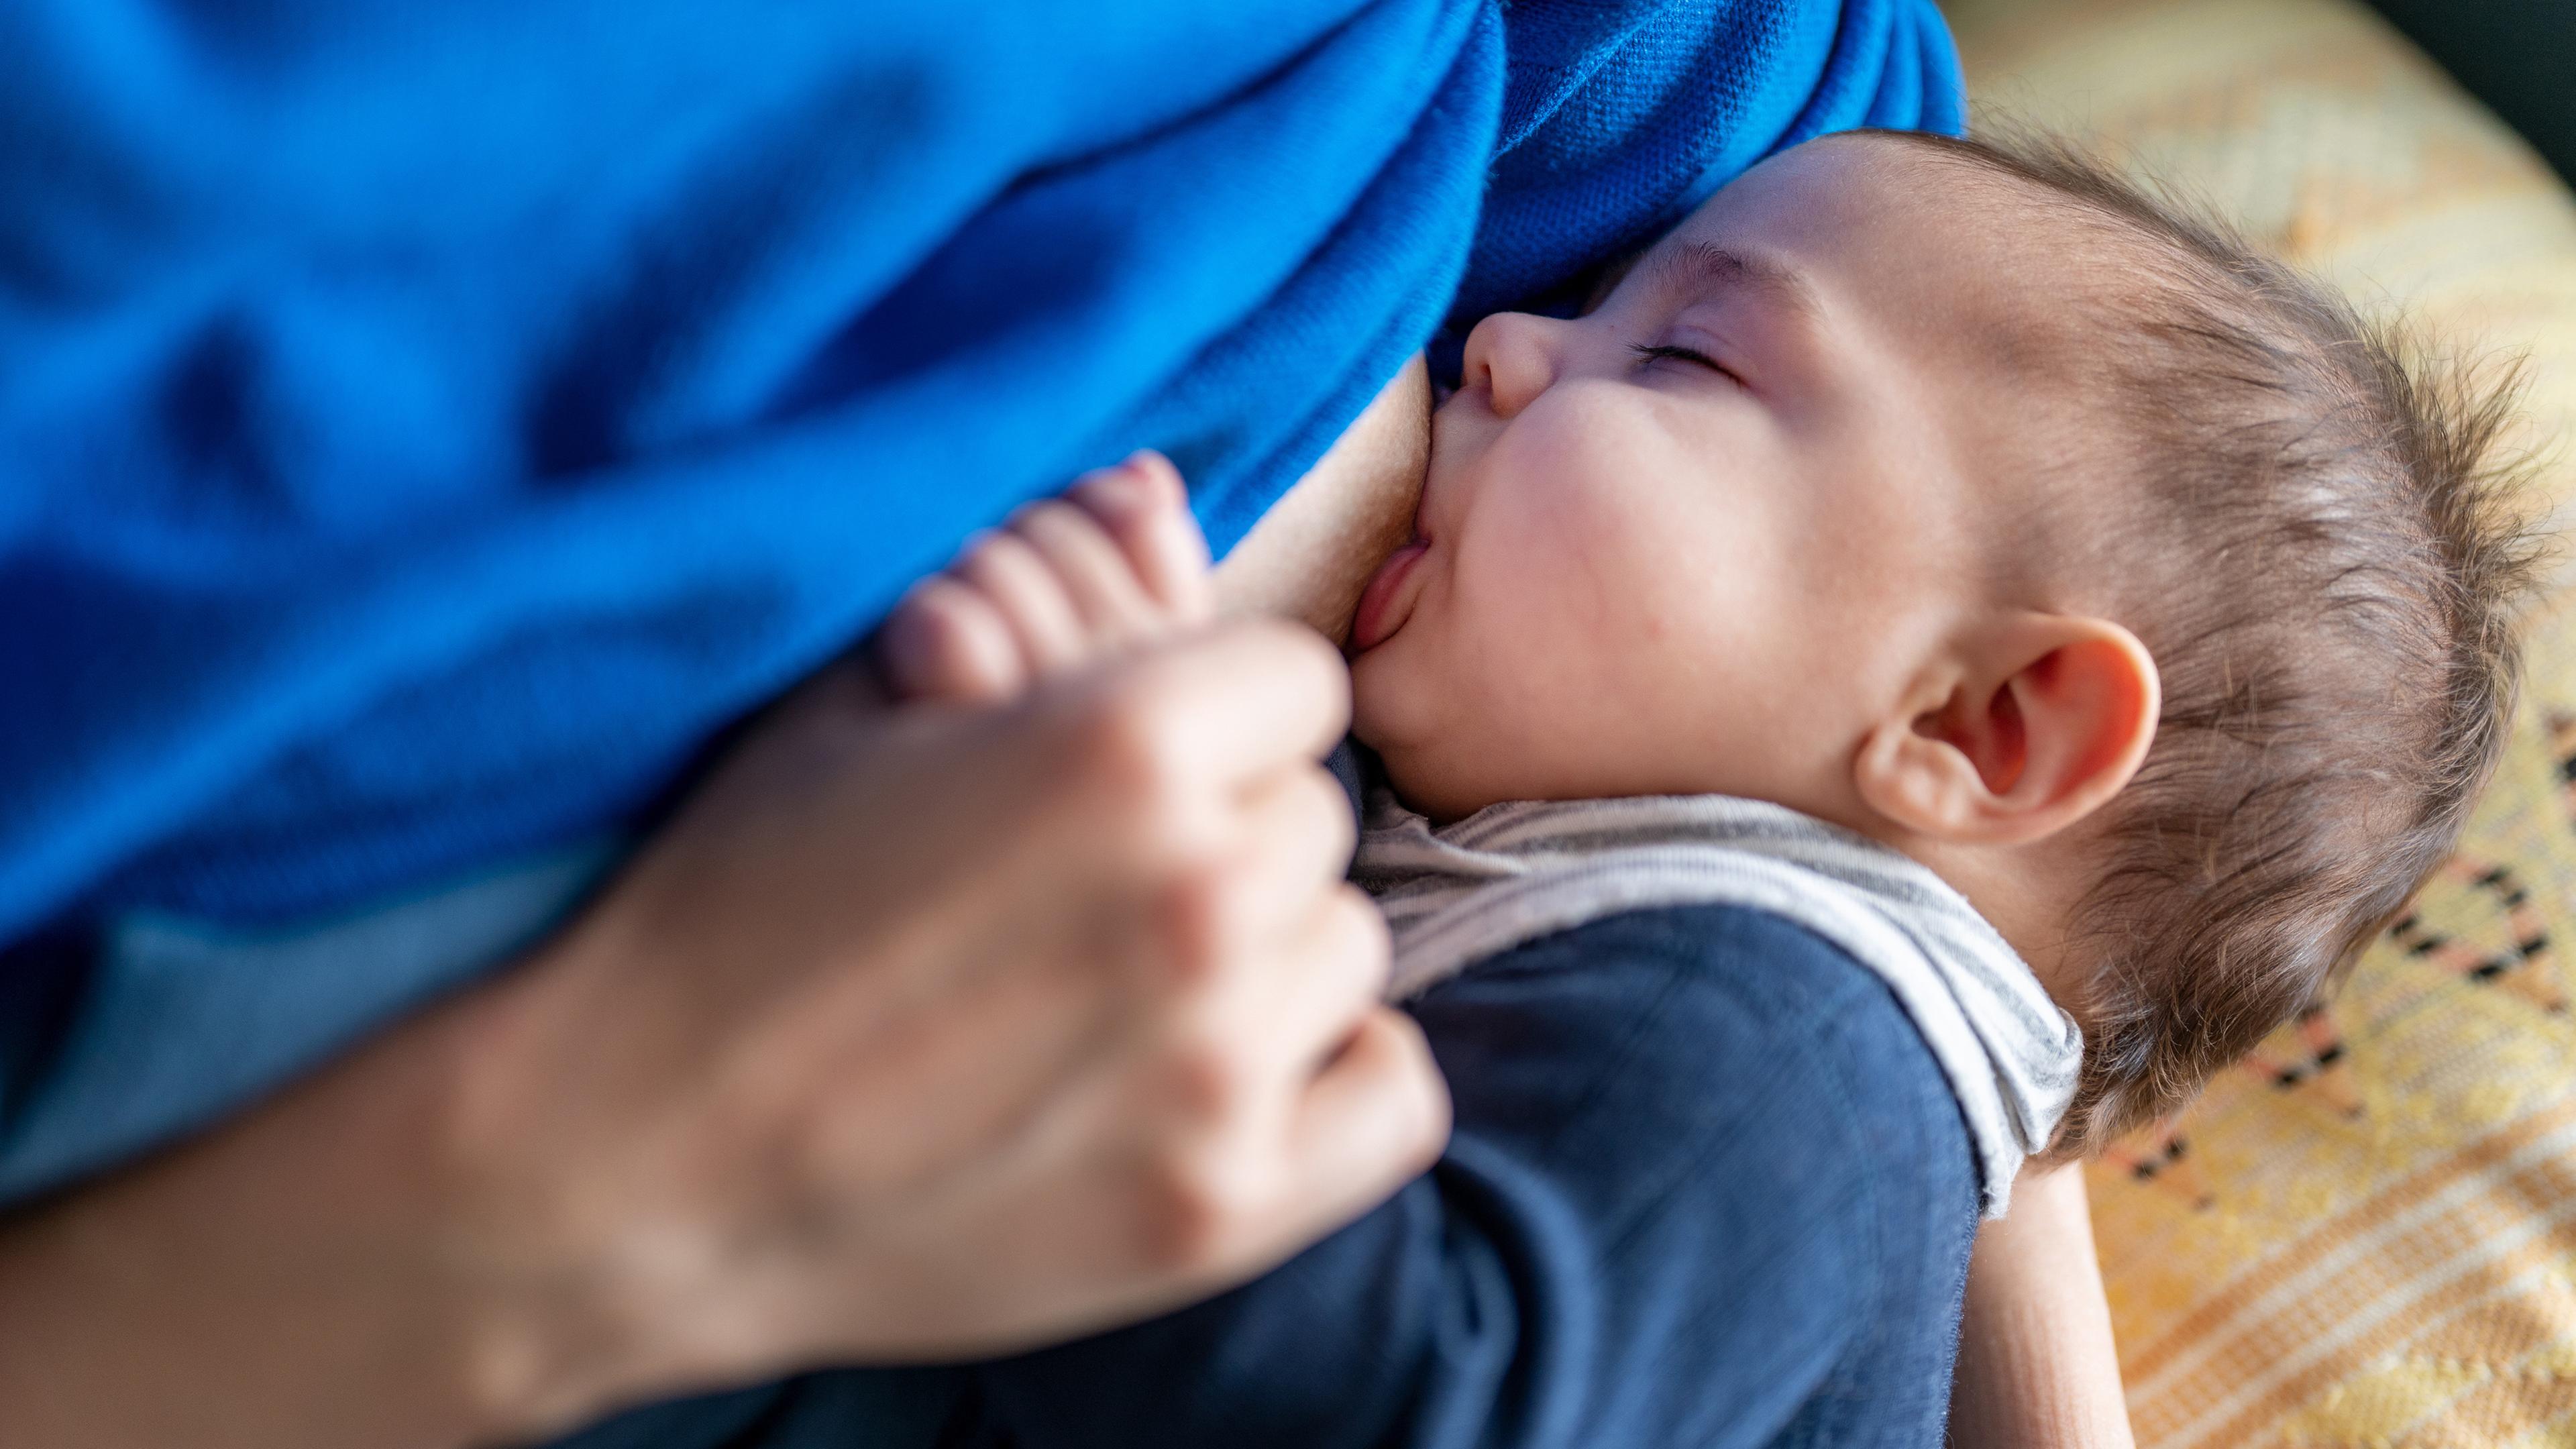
{"points": [[1030, 598], [1160, 476], [946, 642], [1102, 584], [1143, 505]]}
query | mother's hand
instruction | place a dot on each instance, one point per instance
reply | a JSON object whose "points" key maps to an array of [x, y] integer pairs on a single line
{"points": [[917, 1033]]}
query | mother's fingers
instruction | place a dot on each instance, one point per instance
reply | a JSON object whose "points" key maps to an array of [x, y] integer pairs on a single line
{"points": [[1375, 1116], [1331, 972], [1235, 705], [1294, 832]]}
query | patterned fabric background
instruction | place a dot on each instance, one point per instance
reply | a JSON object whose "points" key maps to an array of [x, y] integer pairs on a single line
{"points": [[2367, 1235]]}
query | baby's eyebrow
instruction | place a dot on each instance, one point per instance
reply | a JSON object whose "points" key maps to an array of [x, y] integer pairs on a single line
{"points": [[1699, 269]]}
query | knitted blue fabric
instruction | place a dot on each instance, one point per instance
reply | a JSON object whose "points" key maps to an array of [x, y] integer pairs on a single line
{"points": [[426, 426]]}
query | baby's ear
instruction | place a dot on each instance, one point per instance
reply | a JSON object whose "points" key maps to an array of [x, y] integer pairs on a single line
{"points": [[2028, 730]]}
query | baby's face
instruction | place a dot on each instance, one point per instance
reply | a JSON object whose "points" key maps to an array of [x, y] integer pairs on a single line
{"points": [[1699, 539]]}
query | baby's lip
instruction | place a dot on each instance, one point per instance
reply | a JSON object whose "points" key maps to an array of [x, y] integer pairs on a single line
{"points": [[1386, 603]]}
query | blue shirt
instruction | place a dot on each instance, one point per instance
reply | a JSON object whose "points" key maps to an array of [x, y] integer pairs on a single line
{"points": [[424, 426]]}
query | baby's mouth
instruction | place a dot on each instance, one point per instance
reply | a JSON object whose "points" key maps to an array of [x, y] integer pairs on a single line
{"points": [[1386, 603]]}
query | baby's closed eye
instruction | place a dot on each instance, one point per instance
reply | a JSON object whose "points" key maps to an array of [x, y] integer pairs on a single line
{"points": [[1649, 352]]}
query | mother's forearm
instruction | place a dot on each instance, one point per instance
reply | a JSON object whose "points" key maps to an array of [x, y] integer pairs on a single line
{"points": [[286, 1280]]}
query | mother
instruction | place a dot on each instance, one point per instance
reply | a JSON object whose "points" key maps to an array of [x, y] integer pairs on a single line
{"points": [[430, 430]]}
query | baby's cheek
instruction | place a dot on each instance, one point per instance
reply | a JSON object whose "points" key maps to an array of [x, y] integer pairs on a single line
{"points": [[1563, 642], [1630, 578], [1545, 598]]}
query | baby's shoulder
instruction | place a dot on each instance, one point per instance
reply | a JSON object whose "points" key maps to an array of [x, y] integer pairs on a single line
{"points": [[1728, 1089], [1735, 967], [1740, 1011]]}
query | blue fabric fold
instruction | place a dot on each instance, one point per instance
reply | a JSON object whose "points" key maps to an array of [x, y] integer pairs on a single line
{"points": [[425, 427]]}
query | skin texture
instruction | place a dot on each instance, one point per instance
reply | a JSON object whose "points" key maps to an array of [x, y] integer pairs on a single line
{"points": [[2037, 1365], [1762, 524], [1312, 553]]}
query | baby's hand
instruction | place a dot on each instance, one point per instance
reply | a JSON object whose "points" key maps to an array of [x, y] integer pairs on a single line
{"points": [[1116, 562]]}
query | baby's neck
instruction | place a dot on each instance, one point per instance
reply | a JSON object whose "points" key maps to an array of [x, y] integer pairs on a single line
{"points": [[2028, 893]]}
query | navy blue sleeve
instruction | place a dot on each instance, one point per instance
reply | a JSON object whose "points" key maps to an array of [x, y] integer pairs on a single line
{"points": [[1707, 1187]]}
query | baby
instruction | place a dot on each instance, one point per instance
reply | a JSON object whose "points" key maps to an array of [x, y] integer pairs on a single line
{"points": [[1965, 500], [2094, 629]]}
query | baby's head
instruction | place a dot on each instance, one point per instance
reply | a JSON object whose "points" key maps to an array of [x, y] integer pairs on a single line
{"points": [[1979, 503]]}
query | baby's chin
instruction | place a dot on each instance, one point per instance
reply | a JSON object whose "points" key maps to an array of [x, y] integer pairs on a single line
{"points": [[1377, 704], [1394, 713], [1387, 714]]}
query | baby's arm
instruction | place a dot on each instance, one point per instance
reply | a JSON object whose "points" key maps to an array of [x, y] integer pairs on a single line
{"points": [[2036, 1361]]}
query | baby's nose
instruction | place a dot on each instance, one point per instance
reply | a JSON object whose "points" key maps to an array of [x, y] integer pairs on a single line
{"points": [[1514, 356]]}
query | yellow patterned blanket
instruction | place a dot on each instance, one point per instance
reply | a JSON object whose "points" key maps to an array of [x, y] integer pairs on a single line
{"points": [[2366, 1236]]}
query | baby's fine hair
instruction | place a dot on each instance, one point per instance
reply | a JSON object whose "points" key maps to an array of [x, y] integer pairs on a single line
{"points": [[2325, 554]]}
